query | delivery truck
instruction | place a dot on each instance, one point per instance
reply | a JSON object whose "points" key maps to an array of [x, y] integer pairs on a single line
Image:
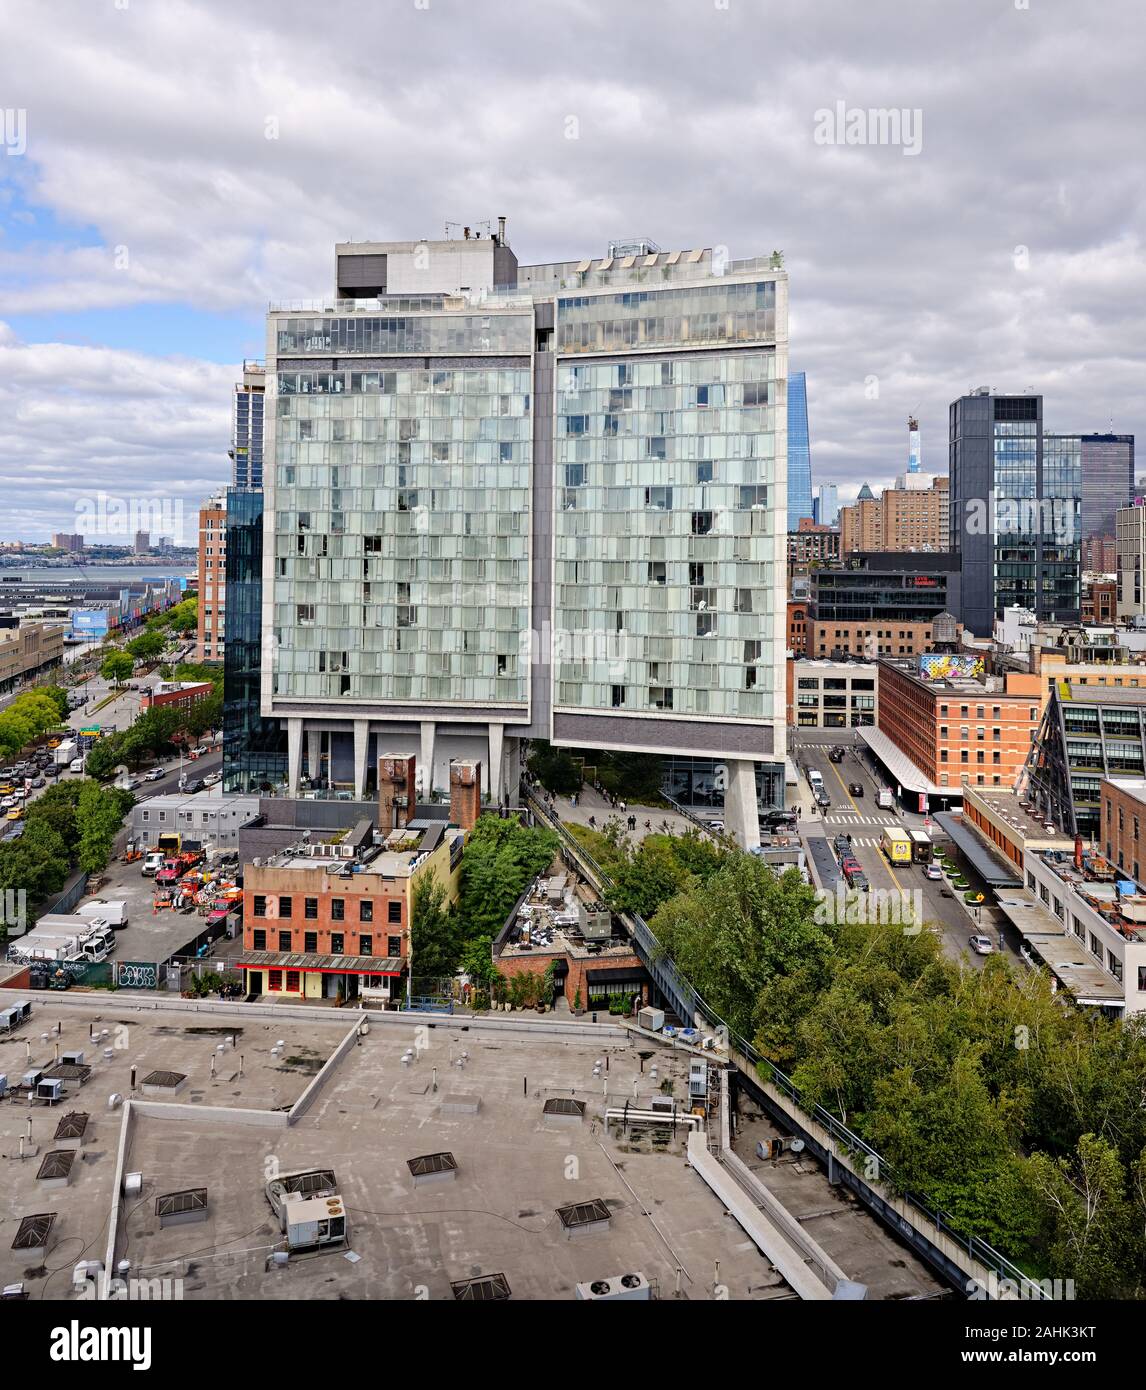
{"points": [[113, 911], [65, 753]]}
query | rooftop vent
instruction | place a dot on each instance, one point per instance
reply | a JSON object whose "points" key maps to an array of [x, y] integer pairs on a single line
{"points": [[56, 1166], [439, 1167], [182, 1208], [584, 1216], [485, 1288], [34, 1231], [565, 1106], [73, 1126]]}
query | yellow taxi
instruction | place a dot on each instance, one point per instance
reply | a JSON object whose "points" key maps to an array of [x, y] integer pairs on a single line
{"points": [[6, 789], [16, 813]]}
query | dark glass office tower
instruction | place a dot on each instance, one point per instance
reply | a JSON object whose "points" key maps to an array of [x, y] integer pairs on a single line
{"points": [[1015, 510], [254, 747], [799, 452], [1107, 463]]}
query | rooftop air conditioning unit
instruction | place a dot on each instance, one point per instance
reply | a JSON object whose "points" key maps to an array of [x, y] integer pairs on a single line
{"points": [[623, 1287]]}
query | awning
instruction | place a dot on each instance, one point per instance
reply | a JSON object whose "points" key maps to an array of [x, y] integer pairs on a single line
{"points": [[995, 872], [1048, 941], [327, 965], [900, 766]]}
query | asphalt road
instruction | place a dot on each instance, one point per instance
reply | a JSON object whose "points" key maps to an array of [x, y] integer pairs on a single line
{"points": [[862, 819]]}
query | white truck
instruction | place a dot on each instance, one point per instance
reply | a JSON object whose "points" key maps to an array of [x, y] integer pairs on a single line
{"points": [[885, 798], [113, 911], [66, 752], [57, 947]]}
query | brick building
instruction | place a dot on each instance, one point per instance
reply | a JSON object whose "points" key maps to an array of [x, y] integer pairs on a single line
{"points": [[212, 579], [181, 694], [812, 544], [832, 639], [943, 722], [797, 626], [901, 518], [1100, 554], [1100, 602], [320, 919]]}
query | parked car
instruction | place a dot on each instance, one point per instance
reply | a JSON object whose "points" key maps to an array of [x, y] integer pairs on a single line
{"points": [[212, 778], [195, 784], [38, 780], [823, 800], [854, 874], [981, 945], [773, 819], [855, 789], [933, 871], [154, 774]]}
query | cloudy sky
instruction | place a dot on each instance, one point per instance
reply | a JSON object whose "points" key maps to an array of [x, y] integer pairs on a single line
{"points": [[170, 166]]}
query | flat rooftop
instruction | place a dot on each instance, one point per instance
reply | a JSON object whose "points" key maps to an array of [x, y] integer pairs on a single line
{"points": [[1006, 806], [183, 1043], [478, 1094]]}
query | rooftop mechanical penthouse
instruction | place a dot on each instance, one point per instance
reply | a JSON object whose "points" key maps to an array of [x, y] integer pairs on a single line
{"points": [[511, 501]]}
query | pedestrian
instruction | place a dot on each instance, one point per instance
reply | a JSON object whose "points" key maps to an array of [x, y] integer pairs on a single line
{"points": [[592, 822], [648, 825]]}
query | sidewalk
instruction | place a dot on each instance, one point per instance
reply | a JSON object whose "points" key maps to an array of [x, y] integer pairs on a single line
{"points": [[592, 805]]}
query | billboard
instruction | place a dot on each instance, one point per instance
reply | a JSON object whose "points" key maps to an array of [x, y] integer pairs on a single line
{"points": [[89, 624], [938, 666]]}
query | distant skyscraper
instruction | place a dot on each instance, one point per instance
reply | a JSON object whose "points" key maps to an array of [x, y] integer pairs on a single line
{"points": [[1107, 477], [799, 452], [826, 504], [913, 450], [247, 426], [1016, 496]]}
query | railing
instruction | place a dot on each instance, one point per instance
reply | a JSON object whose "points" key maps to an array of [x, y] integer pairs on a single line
{"points": [[691, 1006]]}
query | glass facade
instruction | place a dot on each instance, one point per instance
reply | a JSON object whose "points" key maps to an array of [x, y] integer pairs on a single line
{"points": [[800, 457], [401, 568], [702, 315], [254, 748], [699, 784], [665, 525], [247, 438], [423, 334]]}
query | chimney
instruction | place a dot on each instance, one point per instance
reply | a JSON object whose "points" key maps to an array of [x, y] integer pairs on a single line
{"points": [[501, 231], [465, 792], [396, 797], [1078, 852], [1036, 659]]}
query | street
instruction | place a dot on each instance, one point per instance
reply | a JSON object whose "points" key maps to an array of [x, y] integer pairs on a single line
{"points": [[864, 821]]}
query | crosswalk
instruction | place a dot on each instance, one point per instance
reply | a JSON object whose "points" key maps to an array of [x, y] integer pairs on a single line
{"points": [[850, 818]]}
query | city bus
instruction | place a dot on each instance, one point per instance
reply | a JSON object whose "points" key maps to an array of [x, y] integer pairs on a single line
{"points": [[896, 844], [921, 847]]}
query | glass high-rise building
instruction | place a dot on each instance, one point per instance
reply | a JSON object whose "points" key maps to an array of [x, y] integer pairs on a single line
{"points": [[511, 501], [799, 453], [1107, 463], [1016, 498], [254, 747], [247, 427]]}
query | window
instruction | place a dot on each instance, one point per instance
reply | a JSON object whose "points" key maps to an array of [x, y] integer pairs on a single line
{"points": [[285, 942], [275, 980], [260, 908], [310, 908], [286, 906], [259, 939], [393, 945], [337, 943], [394, 911], [365, 910], [366, 944], [292, 981], [338, 909], [310, 942]]}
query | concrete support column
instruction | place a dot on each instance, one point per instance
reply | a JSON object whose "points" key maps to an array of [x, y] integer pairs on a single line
{"points": [[361, 746], [294, 754], [741, 813], [313, 753], [425, 780], [513, 771], [496, 762]]}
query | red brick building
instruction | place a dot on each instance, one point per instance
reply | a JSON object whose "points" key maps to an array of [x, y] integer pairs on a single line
{"points": [[180, 694], [798, 626]]}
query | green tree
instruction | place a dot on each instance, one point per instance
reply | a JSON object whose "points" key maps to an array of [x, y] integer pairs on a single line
{"points": [[435, 944], [146, 647], [1091, 1225], [501, 859], [477, 960], [553, 767], [116, 667]]}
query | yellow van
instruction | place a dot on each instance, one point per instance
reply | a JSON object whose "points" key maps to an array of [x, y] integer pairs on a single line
{"points": [[896, 845]]}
